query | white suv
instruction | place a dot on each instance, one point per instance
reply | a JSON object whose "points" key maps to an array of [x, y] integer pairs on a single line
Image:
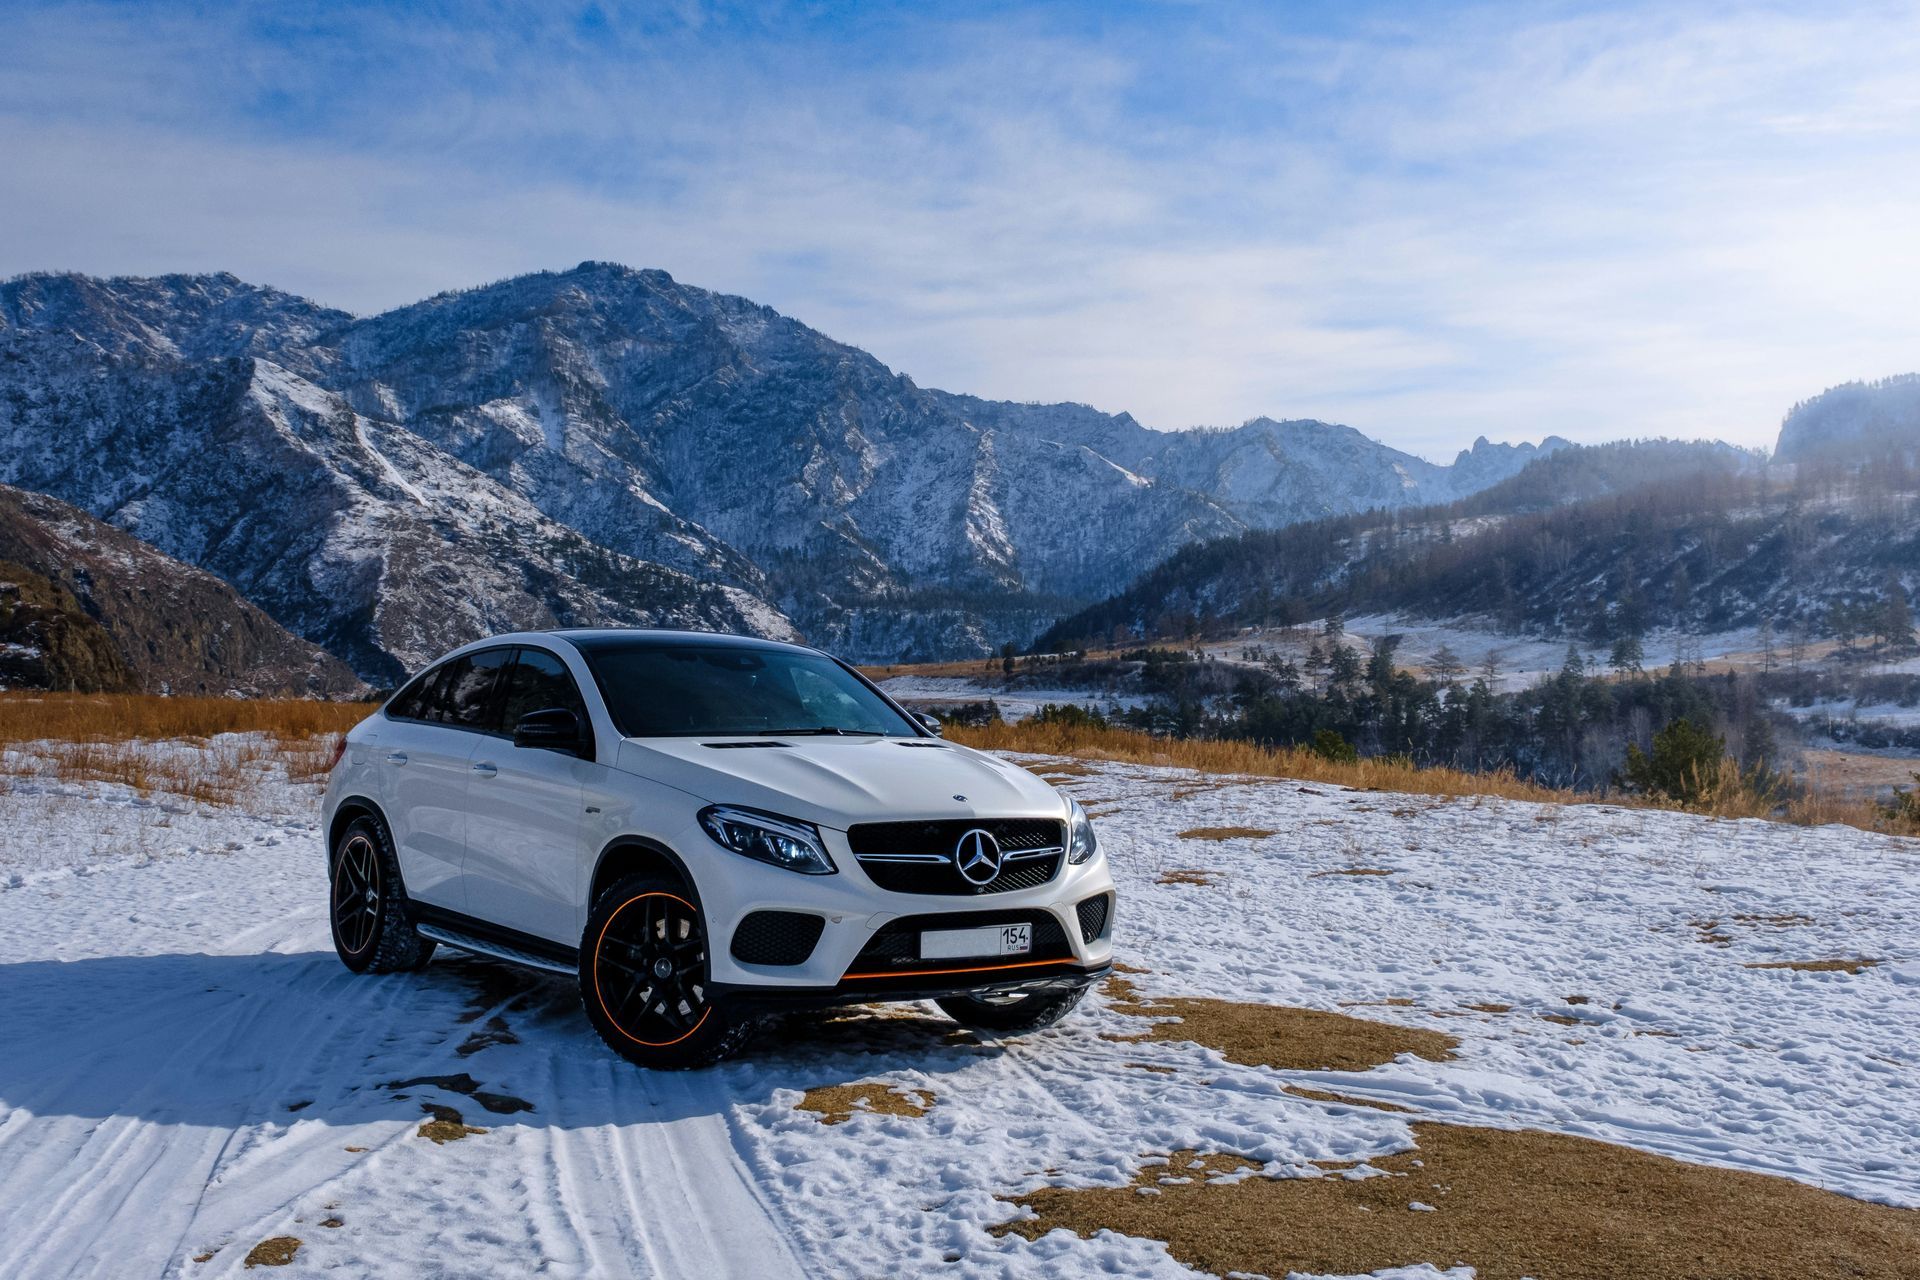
{"points": [[701, 828]]}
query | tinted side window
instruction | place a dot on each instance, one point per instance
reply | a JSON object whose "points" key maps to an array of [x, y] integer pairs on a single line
{"points": [[464, 698], [539, 681], [411, 702]]}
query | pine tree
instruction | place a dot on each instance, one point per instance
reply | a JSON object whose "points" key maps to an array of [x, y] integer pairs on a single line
{"points": [[1896, 619], [1627, 655]]}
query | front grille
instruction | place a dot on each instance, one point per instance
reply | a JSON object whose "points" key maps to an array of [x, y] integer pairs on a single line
{"points": [[897, 944], [874, 843], [940, 877], [776, 937], [1013, 835], [1093, 916]]}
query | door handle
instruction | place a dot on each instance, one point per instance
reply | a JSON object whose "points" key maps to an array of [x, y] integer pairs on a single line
{"points": [[396, 757], [486, 770]]}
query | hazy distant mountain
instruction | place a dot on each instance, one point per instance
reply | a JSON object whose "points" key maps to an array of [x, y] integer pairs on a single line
{"points": [[104, 611], [606, 444], [1590, 543], [1854, 420]]}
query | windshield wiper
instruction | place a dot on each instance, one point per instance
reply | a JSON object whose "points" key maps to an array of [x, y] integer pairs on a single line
{"points": [[827, 730]]}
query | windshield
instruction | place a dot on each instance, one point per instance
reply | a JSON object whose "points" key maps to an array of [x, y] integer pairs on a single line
{"points": [[702, 690]]}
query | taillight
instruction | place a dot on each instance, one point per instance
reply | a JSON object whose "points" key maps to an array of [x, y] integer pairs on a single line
{"points": [[339, 752]]}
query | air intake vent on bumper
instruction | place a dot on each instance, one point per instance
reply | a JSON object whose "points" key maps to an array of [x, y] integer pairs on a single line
{"points": [[777, 937]]}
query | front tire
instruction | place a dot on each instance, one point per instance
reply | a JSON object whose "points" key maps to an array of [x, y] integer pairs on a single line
{"points": [[372, 918], [644, 978], [1011, 1013]]}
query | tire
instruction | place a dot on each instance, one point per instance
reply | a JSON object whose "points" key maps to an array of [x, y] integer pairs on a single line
{"points": [[1011, 1013], [367, 903], [643, 978]]}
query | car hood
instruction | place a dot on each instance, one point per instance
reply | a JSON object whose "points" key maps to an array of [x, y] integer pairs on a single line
{"points": [[835, 782]]}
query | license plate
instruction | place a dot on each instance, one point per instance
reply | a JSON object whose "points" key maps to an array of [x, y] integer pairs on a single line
{"points": [[960, 944]]}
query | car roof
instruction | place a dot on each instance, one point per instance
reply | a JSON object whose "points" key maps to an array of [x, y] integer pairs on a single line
{"points": [[603, 638]]}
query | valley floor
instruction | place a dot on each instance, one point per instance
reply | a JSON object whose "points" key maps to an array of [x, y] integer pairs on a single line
{"points": [[187, 1072]]}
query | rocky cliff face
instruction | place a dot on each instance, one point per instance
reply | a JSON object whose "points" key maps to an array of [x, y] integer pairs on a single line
{"points": [[114, 613], [609, 445]]}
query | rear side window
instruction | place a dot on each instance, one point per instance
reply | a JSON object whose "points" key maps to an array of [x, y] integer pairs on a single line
{"points": [[411, 702], [459, 693], [537, 682], [466, 698]]}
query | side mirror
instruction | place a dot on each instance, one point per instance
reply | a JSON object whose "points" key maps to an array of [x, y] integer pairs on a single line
{"points": [[551, 729], [931, 724]]}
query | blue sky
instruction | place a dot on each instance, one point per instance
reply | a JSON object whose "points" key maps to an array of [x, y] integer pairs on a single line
{"points": [[1429, 221]]}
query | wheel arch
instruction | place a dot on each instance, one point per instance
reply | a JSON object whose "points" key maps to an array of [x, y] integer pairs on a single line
{"points": [[344, 814], [637, 855]]}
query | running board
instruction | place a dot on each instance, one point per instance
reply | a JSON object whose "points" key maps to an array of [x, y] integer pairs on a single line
{"points": [[495, 950]]}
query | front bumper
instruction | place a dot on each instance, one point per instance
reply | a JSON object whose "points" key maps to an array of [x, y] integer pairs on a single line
{"points": [[842, 968], [1059, 976]]}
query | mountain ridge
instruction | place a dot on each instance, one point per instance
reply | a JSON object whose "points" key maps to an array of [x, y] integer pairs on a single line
{"points": [[737, 467]]}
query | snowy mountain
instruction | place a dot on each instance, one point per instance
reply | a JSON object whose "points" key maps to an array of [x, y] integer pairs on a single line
{"points": [[123, 615], [607, 444]]}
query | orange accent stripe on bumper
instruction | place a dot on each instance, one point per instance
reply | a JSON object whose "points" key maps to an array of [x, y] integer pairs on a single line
{"points": [[934, 973]]}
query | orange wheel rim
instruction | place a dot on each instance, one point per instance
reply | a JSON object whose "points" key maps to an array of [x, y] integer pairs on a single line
{"points": [[599, 995]]}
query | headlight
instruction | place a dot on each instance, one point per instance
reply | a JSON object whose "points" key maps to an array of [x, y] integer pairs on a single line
{"points": [[766, 838], [1081, 844]]}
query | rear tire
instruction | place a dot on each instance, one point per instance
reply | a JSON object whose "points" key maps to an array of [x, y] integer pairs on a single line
{"points": [[644, 978], [367, 903], [1013, 1013]]}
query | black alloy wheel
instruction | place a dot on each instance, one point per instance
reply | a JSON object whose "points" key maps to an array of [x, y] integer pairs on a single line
{"points": [[644, 978], [356, 895], [367, 904]]}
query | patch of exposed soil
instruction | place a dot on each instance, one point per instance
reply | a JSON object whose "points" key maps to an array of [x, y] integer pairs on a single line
{"points": [[1709, 933], [1858, 964], [1491, 1008], [1187, 875], [1067, 769], [446, 1126], [1321, 1095], [501, 1104], [838, 1103], [1226, 833], [495, 1032], [1352, 871], [1275, 1035], [276, 1252], [1510, 1205]]}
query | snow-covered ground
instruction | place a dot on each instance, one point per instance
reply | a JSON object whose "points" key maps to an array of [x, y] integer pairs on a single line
{"points": [[1517, 661], [186, 1070], [1019, 703]]}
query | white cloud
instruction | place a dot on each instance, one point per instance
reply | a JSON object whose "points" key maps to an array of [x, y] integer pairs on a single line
{"points": [[1596, 225]]}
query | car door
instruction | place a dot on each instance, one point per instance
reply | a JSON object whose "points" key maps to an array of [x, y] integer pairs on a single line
{"points": [[425, 762], [525, 826]]}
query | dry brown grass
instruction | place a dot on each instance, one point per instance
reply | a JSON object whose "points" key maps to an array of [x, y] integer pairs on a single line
{"points": [[1187, 875], [1250, 760], [129, 740], [28, 717], [447, 1125], [1341, 1100], [1855, 965], [838, 1103], [276, 1252], [1351, 871], [1509, 1204], [1226, 833], [1277, 1036]]}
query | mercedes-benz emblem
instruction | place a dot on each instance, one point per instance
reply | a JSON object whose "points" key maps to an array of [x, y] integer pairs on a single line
{"points": [[978, 856]]}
